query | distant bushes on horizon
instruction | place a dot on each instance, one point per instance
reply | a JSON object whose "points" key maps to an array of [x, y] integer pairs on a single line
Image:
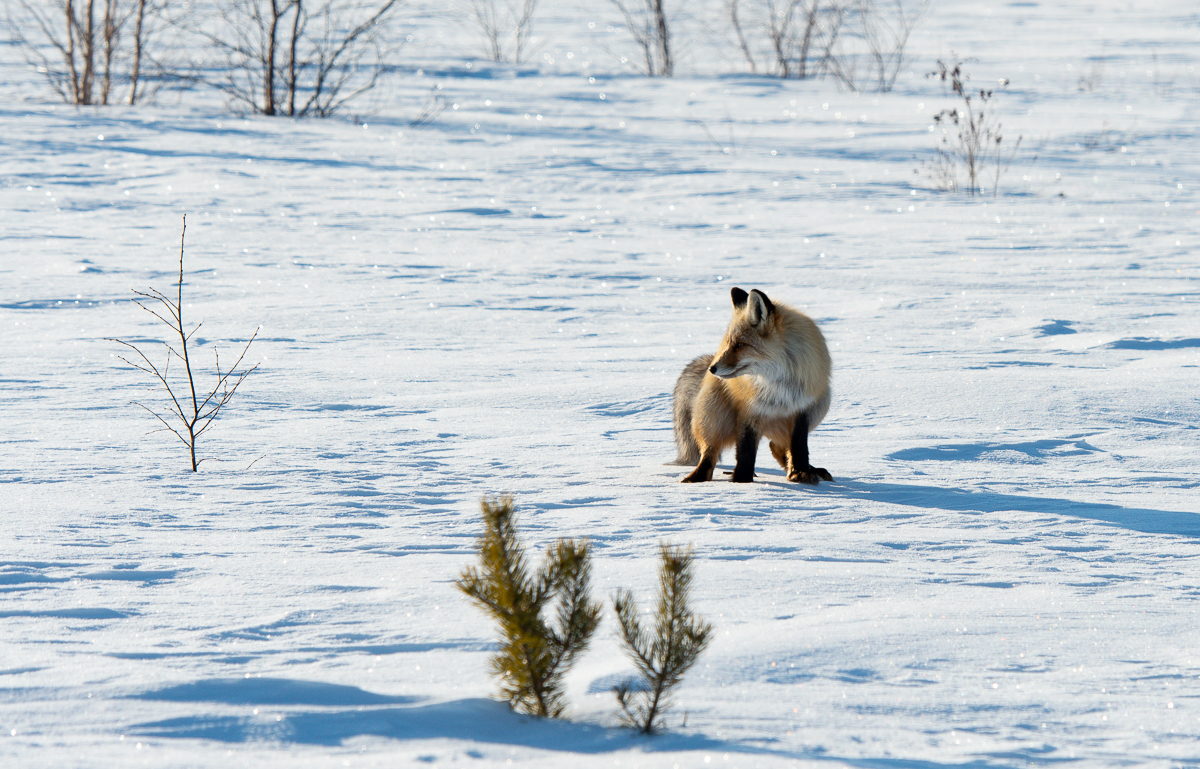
{"points": [[315, 57]]}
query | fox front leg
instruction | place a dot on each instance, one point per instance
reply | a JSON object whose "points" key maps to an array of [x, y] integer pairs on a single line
{"points": [[747, 451], [801, 471]]}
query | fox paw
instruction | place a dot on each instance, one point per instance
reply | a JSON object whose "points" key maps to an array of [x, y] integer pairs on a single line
{"points": [[810, 475]]}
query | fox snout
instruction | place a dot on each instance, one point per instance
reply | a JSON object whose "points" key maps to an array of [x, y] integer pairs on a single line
{"points": [[722, 370], [731, 360]]}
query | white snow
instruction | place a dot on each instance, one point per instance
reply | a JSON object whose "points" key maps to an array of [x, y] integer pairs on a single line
{"points": [[1004, 575]]}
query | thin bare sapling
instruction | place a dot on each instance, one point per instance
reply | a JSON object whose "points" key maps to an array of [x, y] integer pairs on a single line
{"points": [[189, 413], [534, 656], [663, 655]]}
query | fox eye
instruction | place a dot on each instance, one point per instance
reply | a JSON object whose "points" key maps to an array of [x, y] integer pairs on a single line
{"points": [[738, 345]]}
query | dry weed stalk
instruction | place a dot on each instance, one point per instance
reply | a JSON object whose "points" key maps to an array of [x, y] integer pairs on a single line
{"points": [[977, 141]]}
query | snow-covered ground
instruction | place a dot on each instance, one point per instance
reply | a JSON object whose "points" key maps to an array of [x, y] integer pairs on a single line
{"points": [[1004, 575]]}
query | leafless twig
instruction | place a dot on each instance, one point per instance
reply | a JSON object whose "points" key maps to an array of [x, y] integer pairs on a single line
{"points": [[736, 21]]}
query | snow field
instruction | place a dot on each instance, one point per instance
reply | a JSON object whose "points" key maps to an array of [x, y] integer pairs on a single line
{"points": [[1003, 574]]}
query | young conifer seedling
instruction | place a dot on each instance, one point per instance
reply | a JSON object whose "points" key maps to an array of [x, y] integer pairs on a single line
{"points": [[190, 412], [663, 657], [533, 656]]}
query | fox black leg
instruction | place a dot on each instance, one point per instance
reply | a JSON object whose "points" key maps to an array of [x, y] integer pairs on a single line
{"points": [[801, 470], [747, 450]]}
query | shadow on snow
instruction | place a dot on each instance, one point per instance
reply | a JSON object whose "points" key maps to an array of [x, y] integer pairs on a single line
{"points": [[473, 720], [961, 500], [476, 720]]}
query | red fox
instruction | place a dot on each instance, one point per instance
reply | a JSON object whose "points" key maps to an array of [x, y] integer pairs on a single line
{"points": [[769, 378]]}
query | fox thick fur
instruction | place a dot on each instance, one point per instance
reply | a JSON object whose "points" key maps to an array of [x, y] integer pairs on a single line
{"points": [[769, 378]]}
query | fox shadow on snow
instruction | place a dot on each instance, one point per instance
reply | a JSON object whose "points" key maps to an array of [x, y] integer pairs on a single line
{"points": [[1144, 520]]}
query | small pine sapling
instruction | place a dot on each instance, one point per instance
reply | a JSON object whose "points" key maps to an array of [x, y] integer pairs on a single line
{"points": [[534, 657], [190, 412], [678, 640]]}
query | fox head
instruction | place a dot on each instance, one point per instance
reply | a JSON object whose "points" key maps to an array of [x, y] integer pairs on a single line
{"points": [[749, 346]]}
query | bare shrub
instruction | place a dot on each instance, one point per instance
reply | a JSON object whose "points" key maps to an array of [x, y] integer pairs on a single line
{"points": [[646, 21], [885, 28], [731, 144], [859, 43], [971, 136], [1108, 139], [736, 21], [798, 35], [95, 47], [506, 26], [798, 30], [189, 413], [300, 57]]}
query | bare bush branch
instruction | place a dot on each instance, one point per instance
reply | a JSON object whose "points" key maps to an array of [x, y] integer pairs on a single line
{"points": [[797, 35], [736, 22], [434, 105]]}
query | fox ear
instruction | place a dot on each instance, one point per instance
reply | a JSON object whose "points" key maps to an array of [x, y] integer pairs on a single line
{"points": [[739, 297], [759, 307]]}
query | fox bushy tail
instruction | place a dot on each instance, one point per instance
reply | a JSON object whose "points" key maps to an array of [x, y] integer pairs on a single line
{"points": [[687, 387]]}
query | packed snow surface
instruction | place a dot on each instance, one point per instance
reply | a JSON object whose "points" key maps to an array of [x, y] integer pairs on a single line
{"points": [[499, 300]]}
